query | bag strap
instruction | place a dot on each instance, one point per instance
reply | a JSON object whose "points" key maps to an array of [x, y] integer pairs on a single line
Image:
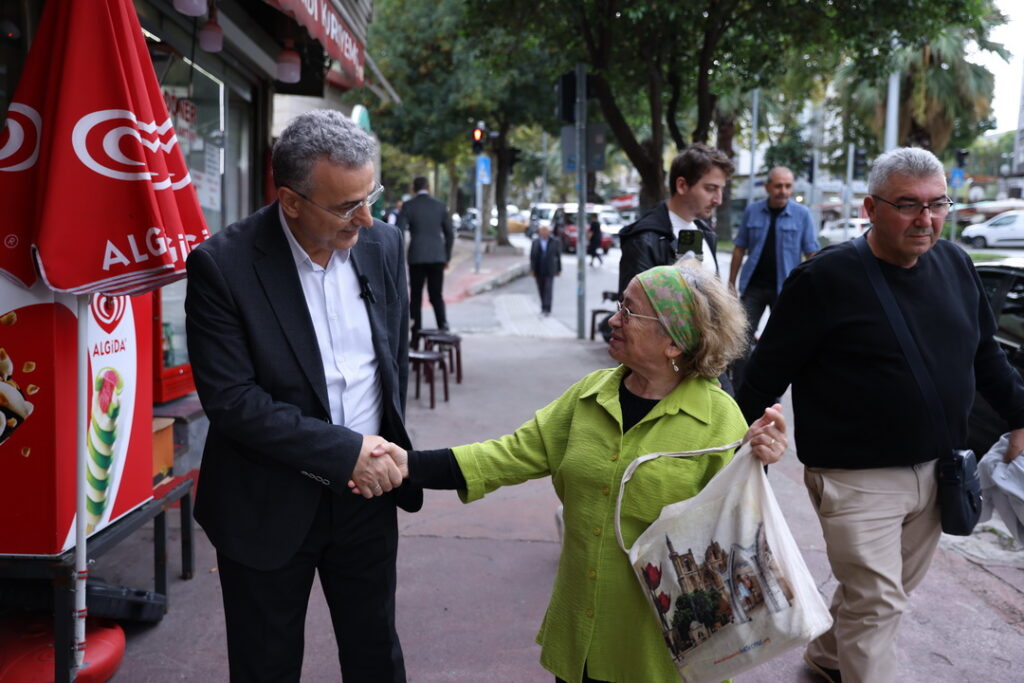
{"points": [[899, 326], [631, 468]]}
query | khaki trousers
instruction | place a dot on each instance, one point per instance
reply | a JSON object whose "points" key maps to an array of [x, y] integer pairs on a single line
{"points": [[881, 529]]}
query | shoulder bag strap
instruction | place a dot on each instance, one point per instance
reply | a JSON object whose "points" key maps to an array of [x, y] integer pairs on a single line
{"points": [[899, 327], [631, 468]]}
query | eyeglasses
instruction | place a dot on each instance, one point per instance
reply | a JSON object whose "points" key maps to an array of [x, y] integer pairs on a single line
{"points": [[937, 209], [627, 314], [351, 211]]}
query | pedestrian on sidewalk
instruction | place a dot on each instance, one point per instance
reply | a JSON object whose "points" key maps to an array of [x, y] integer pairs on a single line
{"points": [[777, 232], [594, 241], [430, 249], [297, 333], [866, 437], [545, 265], [676, 330]]}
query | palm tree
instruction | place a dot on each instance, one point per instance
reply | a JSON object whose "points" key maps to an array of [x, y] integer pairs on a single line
{"points": [[943, 97]]}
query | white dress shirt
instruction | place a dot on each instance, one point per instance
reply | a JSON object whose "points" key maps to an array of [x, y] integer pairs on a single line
{"points": [[342, 327], [678, 225]]}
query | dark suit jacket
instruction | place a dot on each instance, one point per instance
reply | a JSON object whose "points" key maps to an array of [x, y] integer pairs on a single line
{"points": [[550, 264], [271, 449], [430, 229]]}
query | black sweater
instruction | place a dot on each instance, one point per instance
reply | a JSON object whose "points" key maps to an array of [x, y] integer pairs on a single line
{"points": [[856, 402]]}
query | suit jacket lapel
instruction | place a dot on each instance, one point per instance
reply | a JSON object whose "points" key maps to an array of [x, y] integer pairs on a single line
{"points": [[367, 262], [275, 269]]}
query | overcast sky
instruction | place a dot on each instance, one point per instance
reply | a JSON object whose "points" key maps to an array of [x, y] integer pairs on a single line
{"points": [[1006, 103]]}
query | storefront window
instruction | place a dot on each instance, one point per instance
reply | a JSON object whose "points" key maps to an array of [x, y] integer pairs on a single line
{"points": [[213, 122]]}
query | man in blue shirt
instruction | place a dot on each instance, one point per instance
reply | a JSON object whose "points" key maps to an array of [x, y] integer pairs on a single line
{"points": [[776, 232]]}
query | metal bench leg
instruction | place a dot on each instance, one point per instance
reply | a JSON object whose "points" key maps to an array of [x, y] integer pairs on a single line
{"points": [[63, 626], [160, 554], [187, 539]]}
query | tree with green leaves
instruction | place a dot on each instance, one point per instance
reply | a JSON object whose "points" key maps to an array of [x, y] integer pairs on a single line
{"points": [[944, 98]]}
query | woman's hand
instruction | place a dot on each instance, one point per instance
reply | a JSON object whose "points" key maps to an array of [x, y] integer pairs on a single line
{"points": [[397, 466], [767, 435]]}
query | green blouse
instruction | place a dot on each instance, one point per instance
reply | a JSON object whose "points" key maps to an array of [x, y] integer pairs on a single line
{"points": [[598, 613]]}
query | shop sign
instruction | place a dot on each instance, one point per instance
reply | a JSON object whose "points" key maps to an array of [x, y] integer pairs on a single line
{"points": [[323, 22]]}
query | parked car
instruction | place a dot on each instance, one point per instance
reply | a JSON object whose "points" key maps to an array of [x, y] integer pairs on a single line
{"points": [[1003, 281], [611, 223], [1004, 230], [569, 235], [843, 229], [540, 214]]}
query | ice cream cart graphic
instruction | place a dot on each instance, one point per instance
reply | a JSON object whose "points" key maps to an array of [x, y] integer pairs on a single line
{"points": [[37, 399]]}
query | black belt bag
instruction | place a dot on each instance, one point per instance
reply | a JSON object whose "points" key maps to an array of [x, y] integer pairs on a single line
{"points": [[957, 473]]}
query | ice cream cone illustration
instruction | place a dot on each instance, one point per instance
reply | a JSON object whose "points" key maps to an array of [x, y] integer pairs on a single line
{"points": [[106, 405]]}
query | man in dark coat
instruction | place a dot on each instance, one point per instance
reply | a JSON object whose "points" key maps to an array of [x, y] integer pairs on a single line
{"points": [[297, 332], [430, 249], [545, 264]]}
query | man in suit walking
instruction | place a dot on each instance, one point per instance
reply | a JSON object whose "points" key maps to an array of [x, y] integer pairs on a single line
{"points": [[545, 264], [430, 249], [297, 332]]}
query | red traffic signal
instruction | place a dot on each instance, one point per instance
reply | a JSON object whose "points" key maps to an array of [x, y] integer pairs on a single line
{"points": [[478, 136]]}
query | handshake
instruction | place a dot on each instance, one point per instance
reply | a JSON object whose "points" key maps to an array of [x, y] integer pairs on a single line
{"points": [[381, 467]]}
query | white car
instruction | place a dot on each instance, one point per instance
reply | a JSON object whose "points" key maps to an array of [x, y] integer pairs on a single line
{"points": [[1004, 230], [843, 229]]}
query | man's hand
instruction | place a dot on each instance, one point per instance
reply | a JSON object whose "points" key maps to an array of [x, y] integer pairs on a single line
{"points": [[373, 476], [1015, 445], [767, 435], [398, 455]]}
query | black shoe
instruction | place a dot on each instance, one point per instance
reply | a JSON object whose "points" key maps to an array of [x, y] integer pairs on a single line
{"points": [[830, 675], [444, 327]]}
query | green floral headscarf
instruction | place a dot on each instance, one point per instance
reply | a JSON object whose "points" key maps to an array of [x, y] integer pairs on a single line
{"points": [[672, 299]]}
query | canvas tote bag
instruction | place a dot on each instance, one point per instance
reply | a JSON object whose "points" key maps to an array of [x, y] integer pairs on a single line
{"points": [[722, 573]]}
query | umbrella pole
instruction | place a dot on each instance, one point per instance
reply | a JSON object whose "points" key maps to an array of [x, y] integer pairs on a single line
{"points": [[81, 455]]}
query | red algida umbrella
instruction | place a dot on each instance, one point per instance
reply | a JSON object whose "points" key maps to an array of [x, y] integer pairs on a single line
{"points": [[93, 183]]}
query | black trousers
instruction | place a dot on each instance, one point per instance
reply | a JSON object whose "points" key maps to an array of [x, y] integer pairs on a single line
{"points": [[433, 275], [755, 300], [352, 544], [545, 287]]}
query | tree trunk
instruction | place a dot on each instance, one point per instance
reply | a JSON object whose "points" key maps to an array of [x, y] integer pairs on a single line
{"points": [[500, 179], [726, 125], [453, 187]]}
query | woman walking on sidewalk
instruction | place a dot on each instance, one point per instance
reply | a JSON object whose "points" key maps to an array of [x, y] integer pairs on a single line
{"points": [[677, 328]]}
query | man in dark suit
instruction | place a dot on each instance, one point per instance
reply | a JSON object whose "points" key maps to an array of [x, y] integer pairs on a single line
{"points": [[297, 332], [430, 249], [545, 264]]}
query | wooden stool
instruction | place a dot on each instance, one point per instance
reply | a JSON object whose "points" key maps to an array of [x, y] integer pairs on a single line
{"points": [[428, 360], [417, 335], [606, 295], [594, 312], [452, 343]]}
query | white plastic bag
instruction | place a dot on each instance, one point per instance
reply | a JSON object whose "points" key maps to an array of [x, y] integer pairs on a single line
{"points": [[723, 574]]}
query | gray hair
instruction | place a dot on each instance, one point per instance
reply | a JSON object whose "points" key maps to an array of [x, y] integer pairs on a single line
{"points": [[912, 162], [319, 134], [719, 316]]}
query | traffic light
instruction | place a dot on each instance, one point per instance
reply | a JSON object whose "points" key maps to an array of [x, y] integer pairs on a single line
{"points": [[478, 136], [566, 89], [514, 156], [809, 165], [961, 157], [860, 163]]}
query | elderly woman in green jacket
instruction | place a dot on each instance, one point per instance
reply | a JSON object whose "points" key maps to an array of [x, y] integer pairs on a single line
{"points": [[676, 330]]}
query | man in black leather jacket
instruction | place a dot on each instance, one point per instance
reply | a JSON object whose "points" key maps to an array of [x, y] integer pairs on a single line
{"points": [[678, 225]]}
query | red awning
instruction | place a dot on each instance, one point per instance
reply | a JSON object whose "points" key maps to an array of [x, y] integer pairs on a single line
{"points": [[323, 22]]}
